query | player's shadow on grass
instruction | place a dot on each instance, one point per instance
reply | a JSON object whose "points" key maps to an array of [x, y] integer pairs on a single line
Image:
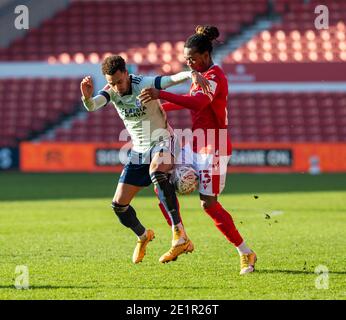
{"points": [[296, 271], [168, 287], [46, 287]]}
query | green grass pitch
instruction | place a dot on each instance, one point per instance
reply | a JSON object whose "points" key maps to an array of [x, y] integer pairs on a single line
{"points": [[62, 228]]}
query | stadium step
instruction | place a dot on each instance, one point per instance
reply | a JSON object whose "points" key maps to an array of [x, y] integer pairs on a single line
{"points": [[233, 43]]}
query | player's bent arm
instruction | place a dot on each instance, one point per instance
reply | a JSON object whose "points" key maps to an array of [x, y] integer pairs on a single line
{"points": [[197, 102], [95, 103]]}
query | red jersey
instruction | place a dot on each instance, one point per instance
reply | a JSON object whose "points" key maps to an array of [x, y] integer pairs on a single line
{"points": [[208, 111], [214, 115]]}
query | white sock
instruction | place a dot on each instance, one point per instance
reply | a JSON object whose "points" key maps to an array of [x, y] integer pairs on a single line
{"points": [[179, 226], [182, 234], [243, 249], [143, 236]]}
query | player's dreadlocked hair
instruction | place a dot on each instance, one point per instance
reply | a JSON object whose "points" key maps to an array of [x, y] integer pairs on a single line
{"points": [[112, 64], [203, 39]]}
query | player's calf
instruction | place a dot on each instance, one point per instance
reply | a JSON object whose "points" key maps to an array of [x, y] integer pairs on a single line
{"points": [[168, 198], [128, 218], [166, 194]]}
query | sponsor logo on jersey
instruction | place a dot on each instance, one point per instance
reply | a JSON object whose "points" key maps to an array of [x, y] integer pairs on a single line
{"points": [[136, 112]]}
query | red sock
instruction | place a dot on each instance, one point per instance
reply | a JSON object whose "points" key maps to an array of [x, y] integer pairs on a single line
{"points": [[224, 222], [164, 212]]}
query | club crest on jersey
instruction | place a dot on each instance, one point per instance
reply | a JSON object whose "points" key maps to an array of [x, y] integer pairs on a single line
{"points": [[138, 103], [204, 178]]}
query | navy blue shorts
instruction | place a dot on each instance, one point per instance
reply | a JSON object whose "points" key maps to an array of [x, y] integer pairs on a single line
{"points": [[136, 170], [136, 175]]}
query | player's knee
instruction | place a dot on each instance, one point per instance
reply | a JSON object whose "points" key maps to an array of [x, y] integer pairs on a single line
{"points": [[163, 163], [118, 208], [126, 214], [206, 204], [154, 167], [160, 167]]}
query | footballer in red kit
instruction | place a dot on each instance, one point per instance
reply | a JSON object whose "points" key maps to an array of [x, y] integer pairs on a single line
{"points": [[211, 142], [211, 147]]}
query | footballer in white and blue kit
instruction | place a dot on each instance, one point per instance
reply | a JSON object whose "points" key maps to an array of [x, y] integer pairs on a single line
{"points": [[152, 155]]}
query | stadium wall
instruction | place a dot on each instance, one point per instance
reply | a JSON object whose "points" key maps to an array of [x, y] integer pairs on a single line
{"points": [[247, 157]]}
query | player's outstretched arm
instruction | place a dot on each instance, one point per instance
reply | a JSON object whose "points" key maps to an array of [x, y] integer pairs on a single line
{"points": [[87, 90], [197, 102], [169, 106], [150, 94], [172, 80], [197, 78]]}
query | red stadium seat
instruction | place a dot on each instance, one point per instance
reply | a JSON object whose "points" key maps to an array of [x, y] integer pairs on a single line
{"points": [[290, 117], [88, 35], [27, 109]]}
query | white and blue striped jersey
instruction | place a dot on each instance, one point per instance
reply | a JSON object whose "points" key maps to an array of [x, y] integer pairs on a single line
{"points": [[146, 124]]}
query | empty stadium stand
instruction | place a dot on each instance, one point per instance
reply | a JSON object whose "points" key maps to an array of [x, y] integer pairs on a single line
{"points": [[29, 106], [151, 33], [105, 126], [146, 32], [288, 117], [260, 117], [295, 38]]}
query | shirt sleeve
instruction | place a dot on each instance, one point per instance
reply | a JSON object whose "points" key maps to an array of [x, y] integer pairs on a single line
{"points": [[146, 82], [169, 106], [163, 82], [213, 81], [100, 100], [197, 99], [94, 103], [196, 102]]}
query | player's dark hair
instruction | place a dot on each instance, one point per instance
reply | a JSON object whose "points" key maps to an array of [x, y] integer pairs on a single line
{"points": [[203, 39], [112, 64]]}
